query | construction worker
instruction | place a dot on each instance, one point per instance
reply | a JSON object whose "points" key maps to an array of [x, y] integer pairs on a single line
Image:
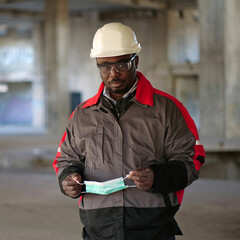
{"points": [[129, 151]]}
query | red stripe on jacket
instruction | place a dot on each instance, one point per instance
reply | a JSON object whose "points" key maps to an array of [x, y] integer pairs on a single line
{"points": [[55, 162]]}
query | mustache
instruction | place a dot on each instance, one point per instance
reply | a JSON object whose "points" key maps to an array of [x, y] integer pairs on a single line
{"points": [[115, 80]]}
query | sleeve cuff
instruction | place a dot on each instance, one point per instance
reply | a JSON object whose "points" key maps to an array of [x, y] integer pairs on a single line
{"points": [[169, 177]]}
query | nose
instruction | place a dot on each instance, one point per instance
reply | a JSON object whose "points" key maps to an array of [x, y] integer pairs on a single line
{"points": [[114, 71]]}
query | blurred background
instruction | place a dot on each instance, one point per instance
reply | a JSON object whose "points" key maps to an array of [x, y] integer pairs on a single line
{"points": [[190, 49]]}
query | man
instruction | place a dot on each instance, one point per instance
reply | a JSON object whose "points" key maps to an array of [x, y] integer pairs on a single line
{"points": [[130, 130]]}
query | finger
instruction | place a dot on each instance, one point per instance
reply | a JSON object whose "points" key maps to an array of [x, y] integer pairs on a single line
{"points": [[73, 193], [142, 176], [73, 179], [144, 186], [145, 181], [147, 173], [136, 178], [73, 190], [69, 182], [73, 187], [76, 176], [140, 173]]}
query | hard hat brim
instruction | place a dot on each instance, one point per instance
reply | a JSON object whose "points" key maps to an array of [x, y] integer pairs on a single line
{"points": [[112, 53]]}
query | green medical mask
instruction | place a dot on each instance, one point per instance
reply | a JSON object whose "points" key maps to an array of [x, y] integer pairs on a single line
{"points": [[105, 188]]}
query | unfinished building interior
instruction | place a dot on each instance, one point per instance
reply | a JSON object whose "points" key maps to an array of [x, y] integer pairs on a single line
{"points": [[190, 49]]}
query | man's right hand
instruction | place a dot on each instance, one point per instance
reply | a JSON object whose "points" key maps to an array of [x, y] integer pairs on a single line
{"points": [[71, 187]]}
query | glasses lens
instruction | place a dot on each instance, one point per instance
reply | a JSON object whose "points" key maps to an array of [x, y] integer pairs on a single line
{"points": [[122, 67], [105, 69]]}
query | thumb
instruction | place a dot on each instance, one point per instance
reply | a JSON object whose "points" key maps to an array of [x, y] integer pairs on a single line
{"points": [[76, 176], [148, 169]]}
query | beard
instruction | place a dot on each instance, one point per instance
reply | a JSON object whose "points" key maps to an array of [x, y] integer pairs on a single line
{"points": [[119, 90]]}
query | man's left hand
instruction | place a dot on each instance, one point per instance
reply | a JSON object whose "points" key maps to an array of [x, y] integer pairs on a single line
{"points": [[142, 177]]}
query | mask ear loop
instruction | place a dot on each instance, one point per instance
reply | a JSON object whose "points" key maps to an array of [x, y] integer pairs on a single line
{"points": [[129, 185], [79, 184], [77, 181]]}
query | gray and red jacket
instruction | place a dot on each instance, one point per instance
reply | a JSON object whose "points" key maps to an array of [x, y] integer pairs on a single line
{"points": [[154, 131]]}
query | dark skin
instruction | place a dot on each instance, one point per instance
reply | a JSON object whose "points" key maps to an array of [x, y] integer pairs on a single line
{"points": [[118, 84], [142, 177], [70, 186]]}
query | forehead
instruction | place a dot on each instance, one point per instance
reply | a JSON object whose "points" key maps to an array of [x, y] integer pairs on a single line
{"points": [[104, 60]]}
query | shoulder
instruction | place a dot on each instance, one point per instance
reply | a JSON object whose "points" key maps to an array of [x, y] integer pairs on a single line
{"points": [[175, 108], [78, 110], [163, 99], [166, 96]]}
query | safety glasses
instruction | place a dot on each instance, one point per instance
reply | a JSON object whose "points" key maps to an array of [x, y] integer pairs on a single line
{"points": [[124, 66]]}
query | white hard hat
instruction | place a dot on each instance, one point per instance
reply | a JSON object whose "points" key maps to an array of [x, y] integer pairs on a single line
{"points": [[114, 39]]}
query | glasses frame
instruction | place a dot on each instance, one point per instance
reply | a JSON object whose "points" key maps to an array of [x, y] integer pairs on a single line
{"points": [[129, 63]]}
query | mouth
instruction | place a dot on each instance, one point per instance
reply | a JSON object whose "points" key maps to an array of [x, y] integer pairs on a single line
{"points": [[116, 83]]}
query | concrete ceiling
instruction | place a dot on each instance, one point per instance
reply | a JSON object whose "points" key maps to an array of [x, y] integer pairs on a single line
{"points": [[12, 10], [86, 5], [38, 5]]}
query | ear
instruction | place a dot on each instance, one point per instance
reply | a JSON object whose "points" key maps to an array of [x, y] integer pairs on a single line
{"points": [[136, 60]]}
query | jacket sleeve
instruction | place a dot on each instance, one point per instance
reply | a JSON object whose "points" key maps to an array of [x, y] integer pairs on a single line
{"points": [[183, 153], [68, 160]]}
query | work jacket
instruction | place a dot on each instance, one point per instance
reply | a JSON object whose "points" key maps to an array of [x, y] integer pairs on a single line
{"points": [[154, 130]]}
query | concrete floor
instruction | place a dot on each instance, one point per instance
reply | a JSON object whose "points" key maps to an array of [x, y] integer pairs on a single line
{"points": [[32, 208]]}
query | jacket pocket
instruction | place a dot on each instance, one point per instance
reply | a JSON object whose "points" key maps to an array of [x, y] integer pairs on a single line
{"points": [[100, 148], [94, 148]]}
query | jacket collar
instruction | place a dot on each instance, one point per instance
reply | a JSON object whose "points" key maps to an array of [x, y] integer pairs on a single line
{"points": [[144, 94]]}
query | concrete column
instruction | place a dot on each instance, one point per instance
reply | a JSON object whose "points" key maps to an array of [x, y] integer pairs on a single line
{"points": [[57, 44], [211, 71], [164, 79], [232, 68], [158, 70]]}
